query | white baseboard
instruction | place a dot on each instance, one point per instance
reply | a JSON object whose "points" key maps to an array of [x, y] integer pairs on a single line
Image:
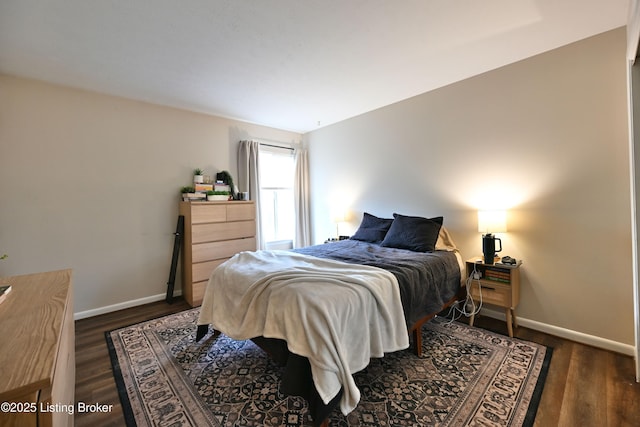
{"points": [[122, 305], [569, 334]]}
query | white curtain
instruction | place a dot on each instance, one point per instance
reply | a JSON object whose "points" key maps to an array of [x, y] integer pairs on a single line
{"points": [[301, 199], [248, 179]]}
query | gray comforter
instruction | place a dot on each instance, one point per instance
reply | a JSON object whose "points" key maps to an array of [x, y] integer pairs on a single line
{"points": [[427, 280]]}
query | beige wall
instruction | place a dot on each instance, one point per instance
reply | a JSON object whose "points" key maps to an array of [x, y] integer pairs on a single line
{"points": [[91, 182], [545, 138]]}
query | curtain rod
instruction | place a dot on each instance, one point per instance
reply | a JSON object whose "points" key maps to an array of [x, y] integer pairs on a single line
{"points": [[276, 146]]}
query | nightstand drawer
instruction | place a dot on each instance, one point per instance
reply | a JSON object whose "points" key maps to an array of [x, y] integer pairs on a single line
{"points": [[492, 294]]}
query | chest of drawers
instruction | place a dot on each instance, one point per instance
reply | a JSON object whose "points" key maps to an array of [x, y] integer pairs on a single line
{"points": [[213, 233], [37, 350]]}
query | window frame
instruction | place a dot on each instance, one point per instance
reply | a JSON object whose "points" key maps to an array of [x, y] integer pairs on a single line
{"points": [[284, 151]]}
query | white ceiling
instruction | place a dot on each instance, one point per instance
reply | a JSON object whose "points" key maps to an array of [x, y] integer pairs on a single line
{"points": [[290, 64]]}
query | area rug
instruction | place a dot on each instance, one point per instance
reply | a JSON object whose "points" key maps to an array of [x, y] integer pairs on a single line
{"points": [[465, 376]]}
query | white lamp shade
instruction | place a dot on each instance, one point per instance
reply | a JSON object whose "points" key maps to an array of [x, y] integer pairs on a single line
{"points": [[492, 221], [338, 214]]}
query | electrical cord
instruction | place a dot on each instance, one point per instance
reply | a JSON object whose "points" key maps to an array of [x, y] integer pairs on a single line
{"points": [[455, 311]]}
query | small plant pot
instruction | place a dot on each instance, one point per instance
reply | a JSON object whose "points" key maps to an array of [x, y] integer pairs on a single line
{"points": [[198, 179]]}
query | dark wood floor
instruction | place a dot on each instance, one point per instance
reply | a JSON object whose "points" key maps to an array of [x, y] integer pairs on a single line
{"points": [[94, 377], [585, 386]]}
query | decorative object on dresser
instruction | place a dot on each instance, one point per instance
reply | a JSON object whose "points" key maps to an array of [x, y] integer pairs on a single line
{"points": [[213, 233], [218, 196], [37, 377], [495, 284], [198, 177], [225, 179], [204, 187], [189, 193]]}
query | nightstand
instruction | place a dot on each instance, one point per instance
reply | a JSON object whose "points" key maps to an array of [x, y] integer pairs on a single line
{"points": [[496, 284], [339, 239]]}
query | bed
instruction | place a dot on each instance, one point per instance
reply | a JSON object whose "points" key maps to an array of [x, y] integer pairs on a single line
{"points": [[325, 310]]}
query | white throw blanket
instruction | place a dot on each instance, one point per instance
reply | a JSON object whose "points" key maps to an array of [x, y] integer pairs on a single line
{"points": [[338, 315]]}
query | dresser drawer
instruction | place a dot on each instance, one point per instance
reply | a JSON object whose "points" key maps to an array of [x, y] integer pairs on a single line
{"points": [[241, 211], [202, 270], [492, 294], [222, 231], [224, 249], [208, 213], [197, 293]]}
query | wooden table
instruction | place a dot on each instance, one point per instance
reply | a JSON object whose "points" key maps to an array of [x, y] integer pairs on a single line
{"points": [[37, 350]]}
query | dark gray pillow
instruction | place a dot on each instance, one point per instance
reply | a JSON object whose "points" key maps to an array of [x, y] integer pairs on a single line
{"points": [[413, 232], [372, 229]]}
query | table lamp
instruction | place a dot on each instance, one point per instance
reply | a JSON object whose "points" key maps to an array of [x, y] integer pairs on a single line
{"points": [[338, 215]]}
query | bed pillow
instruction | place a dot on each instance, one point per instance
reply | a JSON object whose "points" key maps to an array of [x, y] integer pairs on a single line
{"points": [[372, 229], [445, 242], [413, 232]]}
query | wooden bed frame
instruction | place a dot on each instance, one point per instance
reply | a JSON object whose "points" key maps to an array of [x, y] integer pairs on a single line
{"points": [[415, 331]]}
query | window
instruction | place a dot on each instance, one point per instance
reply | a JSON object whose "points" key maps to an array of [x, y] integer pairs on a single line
{"points": [[277, 211]]}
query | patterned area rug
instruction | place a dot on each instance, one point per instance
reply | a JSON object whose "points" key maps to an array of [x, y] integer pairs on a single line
{"points": [[466, 376]]}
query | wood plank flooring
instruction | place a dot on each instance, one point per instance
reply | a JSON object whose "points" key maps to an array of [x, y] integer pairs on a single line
{"points": [[585, 386], [94, 377]]}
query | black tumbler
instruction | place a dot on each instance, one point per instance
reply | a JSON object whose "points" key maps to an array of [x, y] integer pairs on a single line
{"points": [[489, 247]]}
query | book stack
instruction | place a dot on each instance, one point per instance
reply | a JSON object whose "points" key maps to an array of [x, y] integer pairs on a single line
{"points": [[203, 188], [497, 275], [221, 186], [196, 195]]}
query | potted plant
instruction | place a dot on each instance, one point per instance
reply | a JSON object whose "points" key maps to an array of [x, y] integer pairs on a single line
{"points": [[188, 193], [217, 196], [198, 177]]}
